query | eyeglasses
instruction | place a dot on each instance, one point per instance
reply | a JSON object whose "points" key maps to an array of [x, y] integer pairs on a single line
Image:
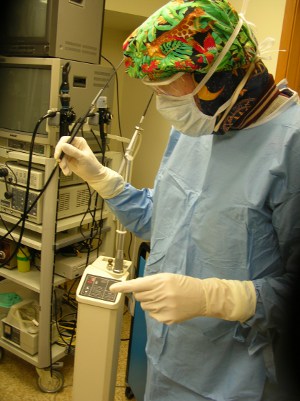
{"points": [[177, 85]]}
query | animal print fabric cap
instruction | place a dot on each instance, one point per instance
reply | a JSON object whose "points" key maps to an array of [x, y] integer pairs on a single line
{"points": [[187, 36]]}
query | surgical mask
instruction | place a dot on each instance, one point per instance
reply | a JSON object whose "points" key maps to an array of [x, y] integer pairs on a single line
{"points": [[185, 116], [176, 98]]}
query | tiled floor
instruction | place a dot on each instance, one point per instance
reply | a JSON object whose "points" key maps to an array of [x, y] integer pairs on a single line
{"points": [[18, 379]]}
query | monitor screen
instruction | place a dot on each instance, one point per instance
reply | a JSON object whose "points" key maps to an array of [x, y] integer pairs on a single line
{"points": [[25, 19], [24, 99], [68, 29]]}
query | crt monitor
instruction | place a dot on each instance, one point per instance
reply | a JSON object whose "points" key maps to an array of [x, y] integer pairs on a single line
{"points": [[69, 29], [31, 86]]}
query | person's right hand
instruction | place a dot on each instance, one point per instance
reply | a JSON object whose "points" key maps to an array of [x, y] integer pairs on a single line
{"points": [[78, 158], [173, 298]]}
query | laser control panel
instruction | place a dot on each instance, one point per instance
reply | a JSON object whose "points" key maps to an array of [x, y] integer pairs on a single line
{"points": [[96, 280], [98, 287]]}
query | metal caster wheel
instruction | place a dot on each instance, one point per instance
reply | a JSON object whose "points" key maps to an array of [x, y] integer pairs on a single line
{"points": [[50, 383], [128, 393]]}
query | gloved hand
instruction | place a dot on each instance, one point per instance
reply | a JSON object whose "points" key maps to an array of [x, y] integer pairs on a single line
{"points": [[173, 298], [79, 159]]}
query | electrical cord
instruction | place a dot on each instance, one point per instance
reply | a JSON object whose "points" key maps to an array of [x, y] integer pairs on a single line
{"points": [[103, 162], [26, 209], [129, 246], [95, 137], [79, 123], [118, 98], [77, 126], [66, 328], [32, 204]]}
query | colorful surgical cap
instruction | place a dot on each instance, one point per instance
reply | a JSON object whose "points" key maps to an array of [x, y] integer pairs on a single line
{"points": [[187, 36]]}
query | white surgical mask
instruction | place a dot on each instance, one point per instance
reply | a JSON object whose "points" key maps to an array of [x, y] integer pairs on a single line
{"points": [[185, 116]]}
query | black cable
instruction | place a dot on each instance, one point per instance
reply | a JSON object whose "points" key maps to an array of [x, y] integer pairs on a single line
{"points": [[118, 99], [79, 123], [57, 324], [103, 146], [77, 126], [26, 209], [12, 172], [96, 138], [33, 203], [129, 246]]}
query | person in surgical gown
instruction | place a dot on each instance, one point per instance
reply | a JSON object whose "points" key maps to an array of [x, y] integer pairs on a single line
{"points": [[223, 218]]}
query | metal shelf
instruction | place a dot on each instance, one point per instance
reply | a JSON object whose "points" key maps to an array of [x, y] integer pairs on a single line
{"points": [[33, 231], [32, 237], [57, 353], [74, 221], [30, 280], [9, 285], [45, 238], [38, 281]]}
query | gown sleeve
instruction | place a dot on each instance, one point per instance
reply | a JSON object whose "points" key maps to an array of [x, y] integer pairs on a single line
{"points": [[275, 325], [133, 208], [275, 294]]}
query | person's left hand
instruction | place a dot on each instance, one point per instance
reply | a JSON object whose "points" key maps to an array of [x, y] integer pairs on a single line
{"points": [[173, 298]]}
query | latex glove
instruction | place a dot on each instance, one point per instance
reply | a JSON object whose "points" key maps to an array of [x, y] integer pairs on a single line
{"points": [[79, 159], [173, 298]]}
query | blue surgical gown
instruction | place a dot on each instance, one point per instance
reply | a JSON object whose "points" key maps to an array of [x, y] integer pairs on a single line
{"points": [[228, 207]]}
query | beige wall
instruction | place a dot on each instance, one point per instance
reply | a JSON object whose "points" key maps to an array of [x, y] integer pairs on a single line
{"points": [[136, 7], [133, 95], [267, 15]]}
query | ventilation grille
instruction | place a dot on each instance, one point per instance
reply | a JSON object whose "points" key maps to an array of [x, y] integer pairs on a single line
{"points": [[64, 202], [101, 78], [79, 48], [74, 201], [83, 198]]}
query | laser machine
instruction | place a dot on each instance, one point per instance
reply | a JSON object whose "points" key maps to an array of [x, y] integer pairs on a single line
{"points": [[99, 325]]}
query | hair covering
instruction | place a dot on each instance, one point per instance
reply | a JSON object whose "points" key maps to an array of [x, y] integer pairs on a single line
{"points": [[187, 36]]}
